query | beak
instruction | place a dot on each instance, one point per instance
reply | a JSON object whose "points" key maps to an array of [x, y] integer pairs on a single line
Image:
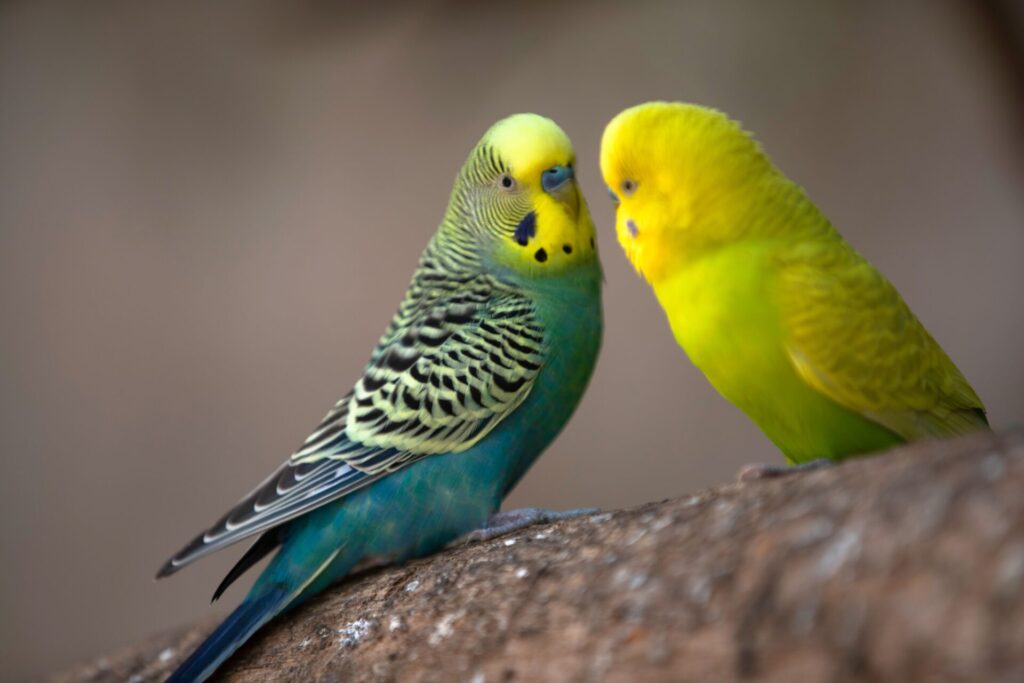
{"points": [[559, 182], [555, 177]]}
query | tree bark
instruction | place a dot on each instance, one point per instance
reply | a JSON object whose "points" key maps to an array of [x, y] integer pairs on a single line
{"points": [[903, 567]]}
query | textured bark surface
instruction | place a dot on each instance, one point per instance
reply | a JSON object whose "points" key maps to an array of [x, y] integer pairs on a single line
{"points": [[904, 567]]}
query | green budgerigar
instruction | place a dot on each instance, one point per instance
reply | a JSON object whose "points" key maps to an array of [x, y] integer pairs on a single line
{"points": [[778, 311], [479, 370]]}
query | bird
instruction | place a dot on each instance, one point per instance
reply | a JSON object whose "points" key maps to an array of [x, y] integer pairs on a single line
{"points": [[483, 364], [783, 317]]}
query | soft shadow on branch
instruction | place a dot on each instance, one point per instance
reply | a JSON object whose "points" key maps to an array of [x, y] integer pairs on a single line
{"points": [[907, 566]]}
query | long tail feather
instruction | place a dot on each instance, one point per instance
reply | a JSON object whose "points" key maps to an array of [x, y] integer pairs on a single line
{"points": [[229, 636], [266, 544]]}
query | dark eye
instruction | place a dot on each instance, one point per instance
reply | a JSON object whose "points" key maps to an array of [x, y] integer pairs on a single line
{"points": [[628, 187], [506, 182]]}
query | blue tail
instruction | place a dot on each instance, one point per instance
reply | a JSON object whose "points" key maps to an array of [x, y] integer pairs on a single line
{"points": [[230, 635]]}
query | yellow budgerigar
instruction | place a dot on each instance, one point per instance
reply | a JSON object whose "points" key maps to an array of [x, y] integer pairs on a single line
{"points": [[782, 316]]}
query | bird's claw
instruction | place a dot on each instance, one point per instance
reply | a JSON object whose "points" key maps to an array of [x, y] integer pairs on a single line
{"points": [[759, 471], [502, 523]]}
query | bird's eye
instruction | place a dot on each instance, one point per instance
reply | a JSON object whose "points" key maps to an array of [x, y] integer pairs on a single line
{"points": [[615, 197], [628, 187], [506, 182]]}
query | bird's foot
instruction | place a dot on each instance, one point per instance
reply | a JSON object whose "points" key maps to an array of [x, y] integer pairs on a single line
{"points": [[758, 471], [502, 523]]}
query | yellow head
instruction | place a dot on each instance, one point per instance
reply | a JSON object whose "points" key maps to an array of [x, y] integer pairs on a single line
{"points": [[516, 200], [685, 179]]}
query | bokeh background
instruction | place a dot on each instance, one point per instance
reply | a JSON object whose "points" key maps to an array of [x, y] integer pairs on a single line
{"points": [[208, 212]]}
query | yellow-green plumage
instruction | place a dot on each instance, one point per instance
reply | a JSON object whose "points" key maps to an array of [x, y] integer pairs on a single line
{"points": [[784, 318]]}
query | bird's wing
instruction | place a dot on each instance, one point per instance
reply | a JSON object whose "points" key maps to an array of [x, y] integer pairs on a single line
{"points": [[853, 338], [439, 385], [445, 374]]}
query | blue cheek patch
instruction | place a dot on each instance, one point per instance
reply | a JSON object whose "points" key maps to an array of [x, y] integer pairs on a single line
{"points": [[633, 230], [526, 229]]}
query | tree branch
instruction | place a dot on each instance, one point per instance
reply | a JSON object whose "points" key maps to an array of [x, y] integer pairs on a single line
{"points": [[908, 566]]}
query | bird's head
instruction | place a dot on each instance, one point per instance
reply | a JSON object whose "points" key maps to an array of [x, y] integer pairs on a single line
{"points": [[677, 173], [516, 199]]}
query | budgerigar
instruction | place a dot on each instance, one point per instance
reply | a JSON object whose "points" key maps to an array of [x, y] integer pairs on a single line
{"points": [[783, 317], [481, 367]]}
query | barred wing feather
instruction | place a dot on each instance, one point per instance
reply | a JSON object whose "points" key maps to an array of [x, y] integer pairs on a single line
{"points": [[452, 365]]}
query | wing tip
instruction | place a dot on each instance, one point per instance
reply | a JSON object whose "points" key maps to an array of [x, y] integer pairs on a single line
{"points": [[184, 557], [168, 568]]}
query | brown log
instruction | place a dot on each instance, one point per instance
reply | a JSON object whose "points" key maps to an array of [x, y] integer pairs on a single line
{"points": [[904, 567]]}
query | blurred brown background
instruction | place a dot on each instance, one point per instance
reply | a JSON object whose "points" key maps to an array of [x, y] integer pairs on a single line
{"points": [[208, 212]]}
